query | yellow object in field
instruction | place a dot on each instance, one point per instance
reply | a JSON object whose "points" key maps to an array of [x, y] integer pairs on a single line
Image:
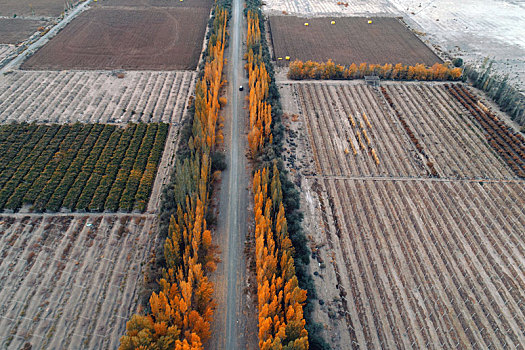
{"points": [[369, 21], [306, 24], [333, 22], [279, 58], [287, 58]]}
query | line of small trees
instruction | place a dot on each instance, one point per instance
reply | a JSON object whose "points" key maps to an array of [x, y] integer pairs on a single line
{"points": [[299, 70], [280, 299], [51, 167], [500, 90], [181, 312]]}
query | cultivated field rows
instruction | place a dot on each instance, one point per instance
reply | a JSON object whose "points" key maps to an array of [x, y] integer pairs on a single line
{"points": [[451, 140], [426, 263], [94, 97], [70, 281]]}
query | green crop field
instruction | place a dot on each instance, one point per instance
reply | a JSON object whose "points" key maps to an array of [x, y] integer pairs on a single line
{"points": [[79, 167]]}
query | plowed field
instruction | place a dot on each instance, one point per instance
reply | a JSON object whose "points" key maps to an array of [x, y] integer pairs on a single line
{"points": [[70, 281], [156, 3], [424, 248], [349, 40], [123, 38]]}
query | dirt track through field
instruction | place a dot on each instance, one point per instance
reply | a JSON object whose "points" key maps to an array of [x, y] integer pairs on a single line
{"points": [[70, 281], [94, 97]]}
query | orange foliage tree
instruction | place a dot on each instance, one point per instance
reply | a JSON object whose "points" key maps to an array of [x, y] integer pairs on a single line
{"points": [[258, 83], [280, 299], [329, 70], [181, 312]]}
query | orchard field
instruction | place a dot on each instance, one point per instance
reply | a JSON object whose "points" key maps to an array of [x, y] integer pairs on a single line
{"points": [[414, 205], [80, 167]]}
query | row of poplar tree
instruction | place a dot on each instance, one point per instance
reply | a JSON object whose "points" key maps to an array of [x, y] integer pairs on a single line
{"points": [[181, 312]]}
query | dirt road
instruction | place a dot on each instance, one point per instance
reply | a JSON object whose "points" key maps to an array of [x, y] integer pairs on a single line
{"points": [[230, 330]]}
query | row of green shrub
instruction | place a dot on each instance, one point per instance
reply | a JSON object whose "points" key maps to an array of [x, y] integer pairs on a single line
{"points": [[92, 167]]}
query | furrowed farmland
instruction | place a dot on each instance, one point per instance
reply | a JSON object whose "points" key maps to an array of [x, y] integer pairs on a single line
{"points": [[83, 167], [70, 281], [156, 3], [95, 97], [357, 130], [385, 40], [126, 38], [414, 205]]}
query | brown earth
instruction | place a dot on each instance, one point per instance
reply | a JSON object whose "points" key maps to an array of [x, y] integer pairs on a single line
{"points": [[403, 259], [71, 281], [156, 3], [349, 40], [15, 30], [111, 38], [46, 8]]}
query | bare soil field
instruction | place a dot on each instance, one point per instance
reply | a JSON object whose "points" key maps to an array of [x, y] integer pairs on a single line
{"points": [[32, 8], [15, 30], [420, 263], [404, 258], [70, 282], [349, 40], [156, 3], [122, 38], [94, 97]]}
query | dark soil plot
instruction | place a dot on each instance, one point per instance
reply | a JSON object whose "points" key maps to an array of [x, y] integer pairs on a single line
{"points": [[156, 3], [156, 39], [47, 8], [349, 40], [15, 30]]}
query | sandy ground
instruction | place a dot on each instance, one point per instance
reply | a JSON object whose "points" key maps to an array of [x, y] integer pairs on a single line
{"points": [[472, 29], [70, 281], [95, 97], [401, 260]]}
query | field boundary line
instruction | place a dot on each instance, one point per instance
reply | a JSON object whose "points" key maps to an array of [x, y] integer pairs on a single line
{"points": [[408, 178]]}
